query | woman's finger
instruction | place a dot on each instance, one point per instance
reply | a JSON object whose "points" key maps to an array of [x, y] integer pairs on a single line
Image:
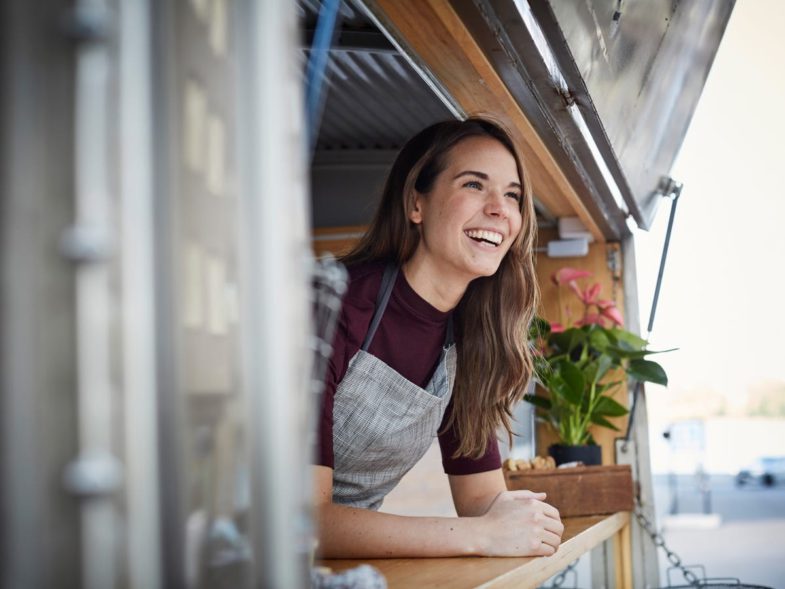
{"points": [[551, 539], [526, 494], [554, 526], [545, 549], [551, 512]]}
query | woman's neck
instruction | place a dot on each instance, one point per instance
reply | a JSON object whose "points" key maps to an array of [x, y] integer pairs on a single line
{"points": [[441, 290]]}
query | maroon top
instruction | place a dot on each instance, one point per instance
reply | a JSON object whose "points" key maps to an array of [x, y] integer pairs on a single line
{"points": [[409, 340]]}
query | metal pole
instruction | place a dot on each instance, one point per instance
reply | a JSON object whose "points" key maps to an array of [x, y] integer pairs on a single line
{"points": [[276, 356], [329, 20], [94, 475], [674, 189], [142, 516]]}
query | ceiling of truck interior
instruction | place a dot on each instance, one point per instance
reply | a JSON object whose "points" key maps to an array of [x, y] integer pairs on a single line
{"points": [[375, 100]]}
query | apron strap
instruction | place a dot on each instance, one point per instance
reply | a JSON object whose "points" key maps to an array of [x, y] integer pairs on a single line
{"points": [[385, 290]]}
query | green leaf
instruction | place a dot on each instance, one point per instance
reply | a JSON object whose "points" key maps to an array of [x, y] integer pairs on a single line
{"points": [[538, 400], [647, 371], [599, 420], [575, 381], [625, 353], [598, 338], [539, 328], [590, 372], [560, 342], [559, 389], [603, 365], [630, 339], [609, 407]]}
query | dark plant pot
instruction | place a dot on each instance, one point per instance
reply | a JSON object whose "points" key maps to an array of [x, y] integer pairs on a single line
{"points": [[589, 455]]}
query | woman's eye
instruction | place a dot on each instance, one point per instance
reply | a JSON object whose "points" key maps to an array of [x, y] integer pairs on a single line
{"points": [[473, 184], [514, 195]]}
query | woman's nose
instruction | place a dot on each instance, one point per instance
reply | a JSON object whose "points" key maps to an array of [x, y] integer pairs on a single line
{"points": [[495, 205]]}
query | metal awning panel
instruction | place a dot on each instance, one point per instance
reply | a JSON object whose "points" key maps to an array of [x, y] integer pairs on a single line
{"points": [[637, 70]]}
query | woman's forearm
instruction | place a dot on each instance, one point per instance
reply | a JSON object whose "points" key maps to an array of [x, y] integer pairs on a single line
{"points": [[347, 532]]}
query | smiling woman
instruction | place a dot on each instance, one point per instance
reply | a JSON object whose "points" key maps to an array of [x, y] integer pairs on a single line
{"points": [[432, 340]]}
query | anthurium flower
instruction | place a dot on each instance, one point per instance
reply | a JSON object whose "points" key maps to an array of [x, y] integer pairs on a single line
{"points": [[613, 314], [575, 288], [589, 296], [568, 275], [576, 357]]}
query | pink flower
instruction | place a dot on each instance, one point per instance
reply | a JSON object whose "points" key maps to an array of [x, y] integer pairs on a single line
{"points": [[575, 288], [613, 314], [557, 328], [568, 275], [589, 296], [604, 304]]}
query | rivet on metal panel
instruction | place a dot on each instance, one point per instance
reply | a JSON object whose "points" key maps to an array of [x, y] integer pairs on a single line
{"points": [[86, 244], [567, 96], [98, 475]]}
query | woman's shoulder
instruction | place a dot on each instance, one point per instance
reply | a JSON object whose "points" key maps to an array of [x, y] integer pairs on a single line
{"points": [[359, 301], [364, 281]]}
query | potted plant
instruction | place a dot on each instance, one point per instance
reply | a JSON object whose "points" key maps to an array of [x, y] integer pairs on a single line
{"points": [[581, 366]]}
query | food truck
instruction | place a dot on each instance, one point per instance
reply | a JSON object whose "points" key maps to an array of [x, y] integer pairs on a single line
{"points": [[170, 172]]}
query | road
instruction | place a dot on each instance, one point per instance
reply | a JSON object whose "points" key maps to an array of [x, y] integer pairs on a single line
{"points": [[749, 543]]}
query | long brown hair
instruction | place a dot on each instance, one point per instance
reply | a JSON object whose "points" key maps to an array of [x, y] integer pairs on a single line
{"points": [[493, 317]]}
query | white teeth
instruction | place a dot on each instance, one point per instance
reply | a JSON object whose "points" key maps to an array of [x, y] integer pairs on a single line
{"points": [[492, 236]]}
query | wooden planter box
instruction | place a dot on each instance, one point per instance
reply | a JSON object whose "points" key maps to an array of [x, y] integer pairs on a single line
{"points": [[582, 490]]}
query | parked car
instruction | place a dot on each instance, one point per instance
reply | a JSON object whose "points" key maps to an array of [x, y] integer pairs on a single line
{"points": [[768, 470]]}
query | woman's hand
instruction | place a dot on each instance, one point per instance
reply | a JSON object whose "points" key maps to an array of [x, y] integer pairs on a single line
{"points": [[520, 523]]}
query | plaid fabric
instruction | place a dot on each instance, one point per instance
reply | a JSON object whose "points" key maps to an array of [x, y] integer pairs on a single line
{"points": [[382, 425]]}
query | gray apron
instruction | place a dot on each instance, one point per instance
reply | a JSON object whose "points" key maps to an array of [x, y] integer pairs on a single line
{"points": [[383, 423]]}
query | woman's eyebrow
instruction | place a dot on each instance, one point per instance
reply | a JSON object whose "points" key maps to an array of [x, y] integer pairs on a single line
{"points": [[483, 176], [471, 173]]}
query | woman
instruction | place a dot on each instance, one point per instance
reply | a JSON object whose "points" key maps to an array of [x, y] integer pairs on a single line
{"points": [[448, 258]]}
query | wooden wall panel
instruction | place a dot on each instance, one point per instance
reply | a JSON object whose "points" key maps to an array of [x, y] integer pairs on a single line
{"points": [[559, 304], [336, 240]]}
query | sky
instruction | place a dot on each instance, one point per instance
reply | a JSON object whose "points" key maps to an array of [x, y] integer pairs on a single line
{"points": [[722, 301]]}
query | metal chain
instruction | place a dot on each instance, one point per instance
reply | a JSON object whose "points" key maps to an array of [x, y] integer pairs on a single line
{"points": [[559, 579], [659, 541]]}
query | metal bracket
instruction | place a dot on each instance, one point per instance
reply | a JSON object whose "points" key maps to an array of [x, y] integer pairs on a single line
{"points": [[90, 477], [626, 453], [86, 244], [669, 187]]}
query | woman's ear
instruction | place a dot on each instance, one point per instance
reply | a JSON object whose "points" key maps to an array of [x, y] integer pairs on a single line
{"points": [[415, 213]]}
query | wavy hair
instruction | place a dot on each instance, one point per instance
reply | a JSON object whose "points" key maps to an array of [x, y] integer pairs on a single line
{"points": [[492, 319]]}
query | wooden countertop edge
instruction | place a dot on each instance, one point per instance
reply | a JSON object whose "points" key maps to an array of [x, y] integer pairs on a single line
{"points": [[542, 568], [523, 574]]}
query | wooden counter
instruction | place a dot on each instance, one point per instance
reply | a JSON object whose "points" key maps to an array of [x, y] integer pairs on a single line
{"points": [[581, 534]]}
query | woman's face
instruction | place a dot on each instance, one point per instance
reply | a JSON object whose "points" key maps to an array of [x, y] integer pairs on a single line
{"points": [[471, 216]]}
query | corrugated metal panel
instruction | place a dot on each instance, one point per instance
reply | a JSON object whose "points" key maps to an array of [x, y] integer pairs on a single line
{"points": [[374, 99], [308, 11]]}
